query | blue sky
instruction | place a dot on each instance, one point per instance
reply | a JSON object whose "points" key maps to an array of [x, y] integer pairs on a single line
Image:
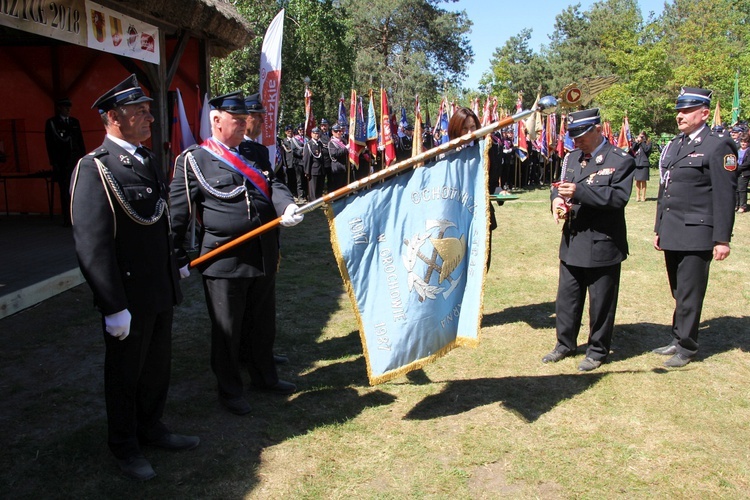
{"points": [[496, 21]]}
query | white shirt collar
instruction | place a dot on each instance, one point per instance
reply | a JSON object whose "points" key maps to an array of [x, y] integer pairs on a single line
{"points": [[130, 148]]}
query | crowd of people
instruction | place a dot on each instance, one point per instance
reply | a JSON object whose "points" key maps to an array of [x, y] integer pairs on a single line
{"points": [[130, 225]]}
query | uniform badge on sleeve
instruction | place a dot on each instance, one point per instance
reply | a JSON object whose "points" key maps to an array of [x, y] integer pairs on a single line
{"points": [[730, 163]]}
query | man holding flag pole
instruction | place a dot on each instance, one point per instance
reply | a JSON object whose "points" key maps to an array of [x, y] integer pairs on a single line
{"points": [[455, 266]]}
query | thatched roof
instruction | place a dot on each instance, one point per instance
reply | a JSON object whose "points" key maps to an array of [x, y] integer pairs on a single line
{"points": [[215, 20]]}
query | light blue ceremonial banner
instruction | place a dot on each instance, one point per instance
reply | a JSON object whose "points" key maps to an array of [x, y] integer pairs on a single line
{"points": [[412, 253]]}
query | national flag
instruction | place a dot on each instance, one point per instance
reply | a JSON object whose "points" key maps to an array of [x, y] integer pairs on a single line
{"points": [[342, 115], [389, 149], [486, 113], [519, 141], [372, 129], [182, 137], [442, 121], [624, 139], [416, 143], [736, 99], [175, 146], [358, 136], [403, 122], [607, 133], [270, 81], [204, 131], [415, 276], [309, 115]]}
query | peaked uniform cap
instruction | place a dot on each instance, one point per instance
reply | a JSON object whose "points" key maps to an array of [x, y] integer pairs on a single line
{"points": [[253, 104], [692, 96], [123, 94], [233, 102], [580, 122]]}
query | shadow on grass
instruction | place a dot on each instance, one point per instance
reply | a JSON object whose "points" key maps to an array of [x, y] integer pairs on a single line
{"points": [[537, 316], [528, 397], [715, 336]]}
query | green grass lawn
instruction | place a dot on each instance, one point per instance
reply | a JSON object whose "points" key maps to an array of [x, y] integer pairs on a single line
{"points": [[490, 422]]}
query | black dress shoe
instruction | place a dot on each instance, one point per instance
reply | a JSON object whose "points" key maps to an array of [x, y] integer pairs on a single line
{"points": [[554, 356], [238, 406], [667, 350], [176, 442], [137, 467], [677, 361], [281, 387], [280, 359], [589, 364]]}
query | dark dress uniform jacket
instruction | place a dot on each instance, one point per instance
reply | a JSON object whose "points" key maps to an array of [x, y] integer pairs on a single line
{"points": [[128, 265], [313, 158], [596, 235], [258, 153], [642, 151], [696, 202], [222, 220], [339, 156], [64, 145]]}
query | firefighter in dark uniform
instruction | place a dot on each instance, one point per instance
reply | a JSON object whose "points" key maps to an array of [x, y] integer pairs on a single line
{"points": [[313, 164], [124, 248], [249, 147], [232, 197], [64, 140], [595, 187], [289, 158], [404, 143], [325, 138], [694, 215], [339, 159]]}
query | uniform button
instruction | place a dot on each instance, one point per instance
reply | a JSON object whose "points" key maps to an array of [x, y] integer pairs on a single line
{"points": [[667, 209], [127, 274], [149, 190]]}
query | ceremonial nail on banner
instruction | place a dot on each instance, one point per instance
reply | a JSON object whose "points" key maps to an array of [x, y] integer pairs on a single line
{"points": [[412, 254]]}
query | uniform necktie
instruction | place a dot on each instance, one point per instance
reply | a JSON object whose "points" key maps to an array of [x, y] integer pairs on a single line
{"points": [[144, 154], [586, 158], [682, 143]]}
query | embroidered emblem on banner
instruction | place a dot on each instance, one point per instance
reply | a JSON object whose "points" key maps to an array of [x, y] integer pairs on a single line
{"points": [[447, 253]]}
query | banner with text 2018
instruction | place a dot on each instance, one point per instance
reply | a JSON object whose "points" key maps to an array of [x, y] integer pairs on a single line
{"points": [[412, 254]]}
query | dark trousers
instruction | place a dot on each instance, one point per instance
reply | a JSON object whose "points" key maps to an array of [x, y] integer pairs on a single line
{"points": [[317, 182], [688, 279], [243, 329], [301, 181], [603, 284], [742, 182], [136, 382]]}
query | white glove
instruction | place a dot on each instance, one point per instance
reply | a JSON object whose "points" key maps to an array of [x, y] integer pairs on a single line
{"points": [[184, 271], [289, 218], [118, 324]]}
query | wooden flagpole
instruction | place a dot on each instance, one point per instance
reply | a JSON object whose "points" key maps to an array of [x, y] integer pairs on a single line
{"points": [[382, 174]]}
